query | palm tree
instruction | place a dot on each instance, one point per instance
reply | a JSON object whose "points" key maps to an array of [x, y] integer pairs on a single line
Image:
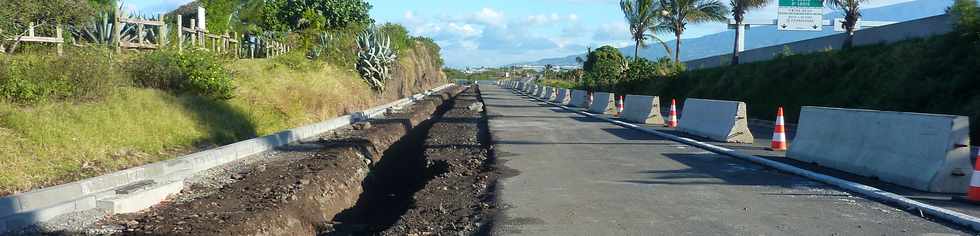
{"points": [[852, 12], [676, 14], [739, 7], [642, 17]]}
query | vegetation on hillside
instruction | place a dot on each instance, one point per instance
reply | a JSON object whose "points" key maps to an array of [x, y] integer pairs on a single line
{"points": [[93, 111]]}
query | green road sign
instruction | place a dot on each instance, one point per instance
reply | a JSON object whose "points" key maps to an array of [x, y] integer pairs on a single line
{"points": [[800, 15], [801, 3]]}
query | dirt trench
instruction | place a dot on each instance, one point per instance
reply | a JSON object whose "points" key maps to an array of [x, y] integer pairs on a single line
{"points": [[446, 187], [299, 193], [405, 174]]}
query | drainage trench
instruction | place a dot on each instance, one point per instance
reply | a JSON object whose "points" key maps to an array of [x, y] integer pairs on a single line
{"points": [[439, 180], [362, 179]]}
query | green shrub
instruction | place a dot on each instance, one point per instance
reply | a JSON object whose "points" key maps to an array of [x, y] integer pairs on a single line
{"points": [[931, 75], [195, 71], [967, 17], [82, 73], [400, 40], [603, 68]]}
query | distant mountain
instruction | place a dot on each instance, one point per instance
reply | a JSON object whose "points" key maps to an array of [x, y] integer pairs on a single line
{"points": [[764, 36]]}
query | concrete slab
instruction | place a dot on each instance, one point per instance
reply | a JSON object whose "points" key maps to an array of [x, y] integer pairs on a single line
{"points": [[139, 198]]}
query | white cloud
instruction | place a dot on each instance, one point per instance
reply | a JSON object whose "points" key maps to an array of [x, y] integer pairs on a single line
{"points": [[611, 32], [489, 16]]}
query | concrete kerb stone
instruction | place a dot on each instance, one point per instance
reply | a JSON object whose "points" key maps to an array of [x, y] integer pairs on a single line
{"points": [[580, 98], [719, 120], [603, 103], [896, 200], [928, 152], [642, 109], [139, 200], [24, 209]]}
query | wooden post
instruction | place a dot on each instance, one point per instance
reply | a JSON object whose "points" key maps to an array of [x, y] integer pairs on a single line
{"points": [[117, 32], [162, 38], [194, 30], [180, 34], [139, 33], [57, 34], [30, 30]]}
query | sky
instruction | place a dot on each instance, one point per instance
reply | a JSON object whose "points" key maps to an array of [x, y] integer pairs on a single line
{"points": [[499, 32]]}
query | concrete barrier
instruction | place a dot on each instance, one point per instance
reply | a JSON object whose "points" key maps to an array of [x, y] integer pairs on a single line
{"points": [[540, 92], [563, 95], [718, 120], [642, 109], [549, 94], [603, 103], [580, 98], [922, 151]]}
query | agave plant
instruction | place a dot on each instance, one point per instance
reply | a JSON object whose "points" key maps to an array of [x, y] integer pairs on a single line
{"points": [[96, 31], [375, 58], [317, 50]]}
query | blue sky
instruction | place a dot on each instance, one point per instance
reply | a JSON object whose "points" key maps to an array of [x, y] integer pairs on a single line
{"points": [[497, 32]]}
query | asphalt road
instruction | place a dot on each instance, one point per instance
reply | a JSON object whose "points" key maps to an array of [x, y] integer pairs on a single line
{"points": [[582, 176]]}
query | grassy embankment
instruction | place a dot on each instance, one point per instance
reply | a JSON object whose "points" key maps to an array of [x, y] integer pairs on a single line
{"points": [[932, 75], [51, 142]]}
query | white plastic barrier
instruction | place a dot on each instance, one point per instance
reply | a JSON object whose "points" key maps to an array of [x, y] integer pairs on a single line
{"points": [[562, 98], [579, 98], [603, 103], [718, 120], [642, 109], [927, 152]]}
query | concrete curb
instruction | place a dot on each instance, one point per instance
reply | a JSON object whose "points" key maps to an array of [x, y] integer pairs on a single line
{"points": [[867, 191], [140, 187]]}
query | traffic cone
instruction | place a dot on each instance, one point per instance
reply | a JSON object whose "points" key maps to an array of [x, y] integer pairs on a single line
{"points": [[672, 119], [973, 194], [779, 142], [619, 106]]}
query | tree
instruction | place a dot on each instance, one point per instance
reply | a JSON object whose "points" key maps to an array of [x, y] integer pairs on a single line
{"points": [[967, 17], [16, 16], [604, 67], [739, 7], [642, 17], [677, 14], [288, 15], [852, 12]]}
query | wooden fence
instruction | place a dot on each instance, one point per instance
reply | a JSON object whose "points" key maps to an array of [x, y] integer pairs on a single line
{"points": [[32, 37], [147, 34]]}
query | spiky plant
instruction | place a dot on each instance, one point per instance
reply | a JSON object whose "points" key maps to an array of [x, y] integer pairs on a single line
{"points": [[375, 58], [96, 31], [317, 50]]}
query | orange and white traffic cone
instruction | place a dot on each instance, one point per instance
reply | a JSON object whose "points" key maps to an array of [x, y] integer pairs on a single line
{"points": [[973, 194], [619, 106], [672, 119], [779, 142]]}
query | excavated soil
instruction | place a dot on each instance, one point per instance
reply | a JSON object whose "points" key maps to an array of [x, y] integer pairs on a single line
{"points": [[456, 193], [425, 170], [301, 191]]}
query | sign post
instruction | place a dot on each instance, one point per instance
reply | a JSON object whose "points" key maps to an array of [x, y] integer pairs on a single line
{"points": [[800, 15]]}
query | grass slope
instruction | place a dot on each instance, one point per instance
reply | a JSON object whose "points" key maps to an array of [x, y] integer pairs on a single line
{"points": [[58, 142]]}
